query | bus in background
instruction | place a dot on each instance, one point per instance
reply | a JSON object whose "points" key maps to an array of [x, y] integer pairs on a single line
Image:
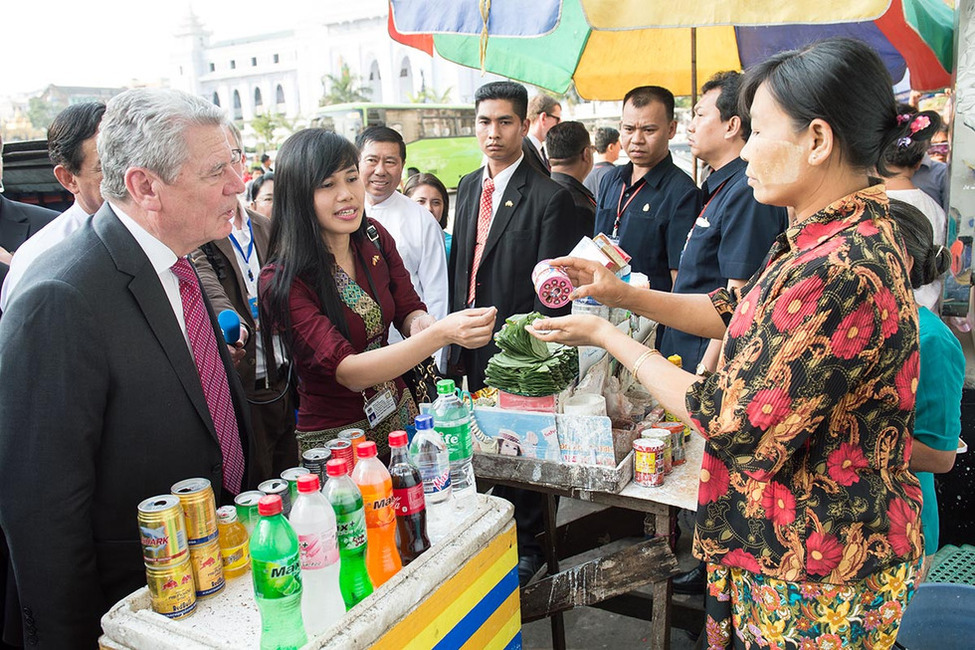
{"points": [[439, 137]]}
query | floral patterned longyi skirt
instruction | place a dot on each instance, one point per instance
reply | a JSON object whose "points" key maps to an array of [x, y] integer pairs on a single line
{"points": [[750, 610]]}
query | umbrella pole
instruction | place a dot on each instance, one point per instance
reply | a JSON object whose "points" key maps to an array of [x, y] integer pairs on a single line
{"points": [[694, 89]]}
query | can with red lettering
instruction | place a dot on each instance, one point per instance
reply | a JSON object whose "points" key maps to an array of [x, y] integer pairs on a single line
{"points": [[162, 531], [207, 563], [648, 462], [171, 589], [342, 450], [356, 437]]}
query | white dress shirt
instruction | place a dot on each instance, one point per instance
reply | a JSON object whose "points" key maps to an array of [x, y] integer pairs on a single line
{"points": [[500, 185], [63, 225], [420, 242], [162, 259]]}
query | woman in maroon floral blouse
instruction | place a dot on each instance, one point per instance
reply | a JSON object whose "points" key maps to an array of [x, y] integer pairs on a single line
{"points": [[808, 517]]}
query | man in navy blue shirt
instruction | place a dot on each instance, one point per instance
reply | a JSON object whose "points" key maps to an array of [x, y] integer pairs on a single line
{"points": [[733, 232], [649, 204]]}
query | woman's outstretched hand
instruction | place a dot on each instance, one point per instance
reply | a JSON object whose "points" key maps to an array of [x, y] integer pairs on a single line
{"points": [[593, 280], [576, 330], [470, 328]]}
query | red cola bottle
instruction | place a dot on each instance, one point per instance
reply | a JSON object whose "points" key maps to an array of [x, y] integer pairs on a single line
{"points": [[411, 513]]}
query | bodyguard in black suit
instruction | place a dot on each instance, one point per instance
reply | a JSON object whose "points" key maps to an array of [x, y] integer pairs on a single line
{"points": [[496, 245], [101, 402], [570, 153], [18, 222]]}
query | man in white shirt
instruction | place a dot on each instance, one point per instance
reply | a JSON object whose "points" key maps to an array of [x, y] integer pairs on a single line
{"points": [[110, 359], [71, 146], [419, 239]]}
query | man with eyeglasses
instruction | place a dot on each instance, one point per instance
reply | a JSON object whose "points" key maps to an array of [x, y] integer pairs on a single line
{"points": [[228, 270], [110, 359], [544, 112]]}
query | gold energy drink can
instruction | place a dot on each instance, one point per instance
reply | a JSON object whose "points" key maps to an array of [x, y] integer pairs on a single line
{"points": [[199, 508], [162, 531], [171, 589], [207, 568]]}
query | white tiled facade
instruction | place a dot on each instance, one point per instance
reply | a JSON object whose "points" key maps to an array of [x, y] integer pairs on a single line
{"points": [[284, 71]]}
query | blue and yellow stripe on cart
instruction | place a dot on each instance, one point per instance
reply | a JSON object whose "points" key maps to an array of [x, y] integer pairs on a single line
{"points": [[476, 609]]}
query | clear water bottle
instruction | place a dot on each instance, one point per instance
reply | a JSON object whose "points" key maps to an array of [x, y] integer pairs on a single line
{"points": [[277, 577], [452, 419], [429, 451], [313, 519]]}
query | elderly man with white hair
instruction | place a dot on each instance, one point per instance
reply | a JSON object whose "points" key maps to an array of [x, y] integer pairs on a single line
{"points": [[114, 380]]}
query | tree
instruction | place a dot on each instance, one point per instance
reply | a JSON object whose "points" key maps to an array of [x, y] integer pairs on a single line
{"points": [[344, 88], [41, 113], [265, 124], [430, 96]]}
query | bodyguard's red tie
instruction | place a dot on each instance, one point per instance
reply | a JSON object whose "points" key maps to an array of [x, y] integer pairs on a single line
{"points": [[213, 374], [483, 228]]}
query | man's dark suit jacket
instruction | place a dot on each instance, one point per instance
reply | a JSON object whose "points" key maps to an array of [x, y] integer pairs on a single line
{"points": [[533, 158], [18, 221], [101, 407], [582, 198], [530, 226]]}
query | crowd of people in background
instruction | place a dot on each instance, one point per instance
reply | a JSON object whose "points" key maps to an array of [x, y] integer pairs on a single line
{"points": [[805, 351]]}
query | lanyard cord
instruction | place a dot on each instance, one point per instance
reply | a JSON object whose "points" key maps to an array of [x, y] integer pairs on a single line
{"points": [[621, 207]]}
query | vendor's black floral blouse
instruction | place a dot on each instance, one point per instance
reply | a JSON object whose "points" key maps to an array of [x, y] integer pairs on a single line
{"points": [[805, 473]]}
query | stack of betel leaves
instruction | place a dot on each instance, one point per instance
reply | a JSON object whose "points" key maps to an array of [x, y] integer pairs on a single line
{"points": [[527, 366]]}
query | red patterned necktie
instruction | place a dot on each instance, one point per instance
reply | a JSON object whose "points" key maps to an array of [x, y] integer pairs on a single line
{"points": [[483, 228], [213, 374]]}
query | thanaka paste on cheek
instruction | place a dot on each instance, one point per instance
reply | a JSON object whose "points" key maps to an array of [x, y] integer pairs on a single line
{"points": [[774, 162]]}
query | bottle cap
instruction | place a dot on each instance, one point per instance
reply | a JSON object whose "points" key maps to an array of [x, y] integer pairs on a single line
{"points": [[227, 514], [269, 505], [423, 422], [366, 449], [308, 483], [398, 439], [445, 386], [337, 467]]}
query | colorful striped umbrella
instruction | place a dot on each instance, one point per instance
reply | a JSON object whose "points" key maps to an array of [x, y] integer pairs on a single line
{"points": [[607, 47]]}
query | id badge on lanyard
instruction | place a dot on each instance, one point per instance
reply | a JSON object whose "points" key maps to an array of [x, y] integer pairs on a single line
{"points": [[379, 407]]}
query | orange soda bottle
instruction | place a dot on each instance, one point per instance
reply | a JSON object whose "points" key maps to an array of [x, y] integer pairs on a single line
{"points": [[376, 485], [233, 543]]}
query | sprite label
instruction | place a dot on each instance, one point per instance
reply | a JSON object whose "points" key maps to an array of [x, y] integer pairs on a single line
{"points": [[458, 439], [351, 529], [277, 579]]}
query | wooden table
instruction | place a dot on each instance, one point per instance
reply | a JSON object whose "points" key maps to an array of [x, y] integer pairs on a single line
{"points": [[650, 562]]}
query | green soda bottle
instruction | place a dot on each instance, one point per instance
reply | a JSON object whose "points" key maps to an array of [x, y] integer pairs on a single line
{"points": [[350, 520], [277, 577]]}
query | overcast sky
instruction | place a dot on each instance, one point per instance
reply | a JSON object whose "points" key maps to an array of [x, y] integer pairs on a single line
{"points": [[110, 42]]}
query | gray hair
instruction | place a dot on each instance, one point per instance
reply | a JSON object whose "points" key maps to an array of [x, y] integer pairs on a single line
{"points": [[145, 127]]}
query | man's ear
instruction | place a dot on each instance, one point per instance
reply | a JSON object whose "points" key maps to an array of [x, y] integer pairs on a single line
{"points": [[733, 128], [66, 179], [143, 187]]}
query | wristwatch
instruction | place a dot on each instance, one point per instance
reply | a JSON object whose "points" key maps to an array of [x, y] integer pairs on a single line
{"points": [[702, 370]]}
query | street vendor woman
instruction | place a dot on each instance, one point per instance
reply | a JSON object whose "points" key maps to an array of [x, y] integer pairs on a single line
{"points": [[333, 285], [808, 516]]}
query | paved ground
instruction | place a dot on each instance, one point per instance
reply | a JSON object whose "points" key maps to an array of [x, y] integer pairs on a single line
{"points": [[588, 628]]}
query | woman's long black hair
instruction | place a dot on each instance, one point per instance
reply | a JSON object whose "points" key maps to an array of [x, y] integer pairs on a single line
{"points": [[297, 248]]}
